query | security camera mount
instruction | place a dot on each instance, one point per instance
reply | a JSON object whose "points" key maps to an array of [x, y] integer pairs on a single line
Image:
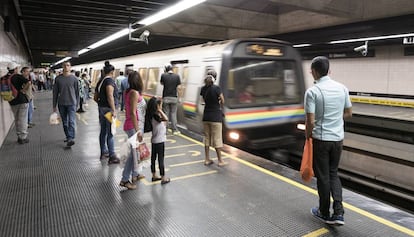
{"points": [[142, 38], [363, 49]]}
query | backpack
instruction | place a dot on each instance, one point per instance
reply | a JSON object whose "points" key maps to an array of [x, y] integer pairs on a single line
{"points": [[98, 91], [147, 122], [148, 115], [7, 90]]}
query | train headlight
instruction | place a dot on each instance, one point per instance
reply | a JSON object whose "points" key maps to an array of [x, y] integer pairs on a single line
{"points": [[235, 136], [301, 126]]}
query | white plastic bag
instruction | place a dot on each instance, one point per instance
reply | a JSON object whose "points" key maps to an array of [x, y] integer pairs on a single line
{"points": [[124, 151], [54, 119], [113, 126]]}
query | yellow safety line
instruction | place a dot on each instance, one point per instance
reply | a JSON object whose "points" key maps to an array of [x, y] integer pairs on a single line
{"points": [[176, 147], [388, 102], [194, 162], [174, 155], [313, 191], [316, 233], [144, 181], [186, 163]]}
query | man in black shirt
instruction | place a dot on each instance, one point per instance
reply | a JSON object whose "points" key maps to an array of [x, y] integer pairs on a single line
{"points": [[170, 81], [19, 104]]}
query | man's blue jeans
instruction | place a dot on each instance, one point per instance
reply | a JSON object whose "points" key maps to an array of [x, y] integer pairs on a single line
{"points": [[106, 138], [30, 111], [68, 115]]}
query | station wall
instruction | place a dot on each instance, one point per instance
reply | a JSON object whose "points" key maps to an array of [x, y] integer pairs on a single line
{"points": [[10, 50], [389, 72]]}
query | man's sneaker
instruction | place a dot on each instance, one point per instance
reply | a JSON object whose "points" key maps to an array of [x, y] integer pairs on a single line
{"points": [[176, 132], [70, 143], [128, 185], [113, 160], [316, 213], [104, 156], [22, 141], [336, 220]]}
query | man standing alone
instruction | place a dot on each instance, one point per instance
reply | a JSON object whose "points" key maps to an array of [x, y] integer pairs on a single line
{"points": [[66, 97], [170, 81], [327, 103]]}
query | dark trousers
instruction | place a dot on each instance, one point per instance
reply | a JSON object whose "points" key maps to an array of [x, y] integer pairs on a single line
{"points": [[326, 156], [157, 149]]}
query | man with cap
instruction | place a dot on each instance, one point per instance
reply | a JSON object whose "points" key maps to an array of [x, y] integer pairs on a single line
{"points": [[19, 104]]}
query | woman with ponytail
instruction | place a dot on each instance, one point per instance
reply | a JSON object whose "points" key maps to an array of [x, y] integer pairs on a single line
{"points": [[107, 102]]}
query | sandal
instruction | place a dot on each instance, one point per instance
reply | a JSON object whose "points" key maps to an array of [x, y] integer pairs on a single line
{"points": [[221, 164], [136, 178], [154, 179], [165, 181], [127, 185], [208, 162]]}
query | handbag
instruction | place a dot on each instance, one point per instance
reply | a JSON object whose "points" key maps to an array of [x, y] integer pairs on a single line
{"points": [[306, 165], [144, 152]]}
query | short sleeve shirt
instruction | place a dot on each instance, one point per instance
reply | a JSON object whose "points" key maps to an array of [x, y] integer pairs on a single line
{"points": [[327, 99], [212, 109], [103, 100], [170, 82], [18, 82]]}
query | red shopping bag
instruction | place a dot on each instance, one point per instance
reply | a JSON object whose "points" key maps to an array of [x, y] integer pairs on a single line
{"points": [[144, 152], [306, 169]]}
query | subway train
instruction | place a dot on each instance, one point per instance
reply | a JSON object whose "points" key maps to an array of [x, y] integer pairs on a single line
{"points": [[261, 79]]}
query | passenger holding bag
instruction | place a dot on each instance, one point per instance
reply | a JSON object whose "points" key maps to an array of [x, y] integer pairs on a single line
{"points": [[107, 102], [133, 127], [327, 103]]}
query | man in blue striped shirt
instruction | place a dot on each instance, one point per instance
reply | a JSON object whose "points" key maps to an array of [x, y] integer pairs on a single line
{"points": [[327, 103]]}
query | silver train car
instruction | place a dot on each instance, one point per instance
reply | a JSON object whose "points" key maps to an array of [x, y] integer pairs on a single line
{"points": [[261, 79]]}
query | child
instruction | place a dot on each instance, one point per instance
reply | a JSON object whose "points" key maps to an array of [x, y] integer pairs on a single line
{"points": [[158, 138]]}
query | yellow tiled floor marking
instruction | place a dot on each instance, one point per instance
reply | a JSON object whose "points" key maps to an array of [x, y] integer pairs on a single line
{"points": [[194, 162], [308, 189], [145, 182], [177, 147], [316, 233]]}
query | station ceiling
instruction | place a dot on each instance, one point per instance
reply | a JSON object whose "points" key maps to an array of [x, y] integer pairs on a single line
{"points": [[61, 27]]}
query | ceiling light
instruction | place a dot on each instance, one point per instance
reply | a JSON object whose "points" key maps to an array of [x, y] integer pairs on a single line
{"points": [[82, 51], [372, 38], [301, 45], [110, 38], [174, 9], [62, 60]]}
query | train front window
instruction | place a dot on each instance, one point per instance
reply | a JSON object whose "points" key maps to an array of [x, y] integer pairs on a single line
{"points": [[262, 83]]}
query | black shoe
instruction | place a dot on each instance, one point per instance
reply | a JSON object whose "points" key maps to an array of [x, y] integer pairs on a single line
{"points": [[113, 160], [70, 143], [23, 141]]}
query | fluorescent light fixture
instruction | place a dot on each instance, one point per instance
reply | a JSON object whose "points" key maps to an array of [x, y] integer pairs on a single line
{"points": [[62, 60], [174, 9], [82, 51], [372, 38], [110, 38], [301, 45]]}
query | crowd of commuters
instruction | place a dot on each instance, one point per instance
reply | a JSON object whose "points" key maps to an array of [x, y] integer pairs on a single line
{"points": [[327, 103]]}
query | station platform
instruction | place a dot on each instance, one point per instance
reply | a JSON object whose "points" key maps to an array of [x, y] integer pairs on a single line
{"points": [[50, 190], [384, 111]]}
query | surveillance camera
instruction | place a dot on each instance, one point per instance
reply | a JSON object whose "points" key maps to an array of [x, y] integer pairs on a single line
{"points": [[363, 49], [144, 36]]}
